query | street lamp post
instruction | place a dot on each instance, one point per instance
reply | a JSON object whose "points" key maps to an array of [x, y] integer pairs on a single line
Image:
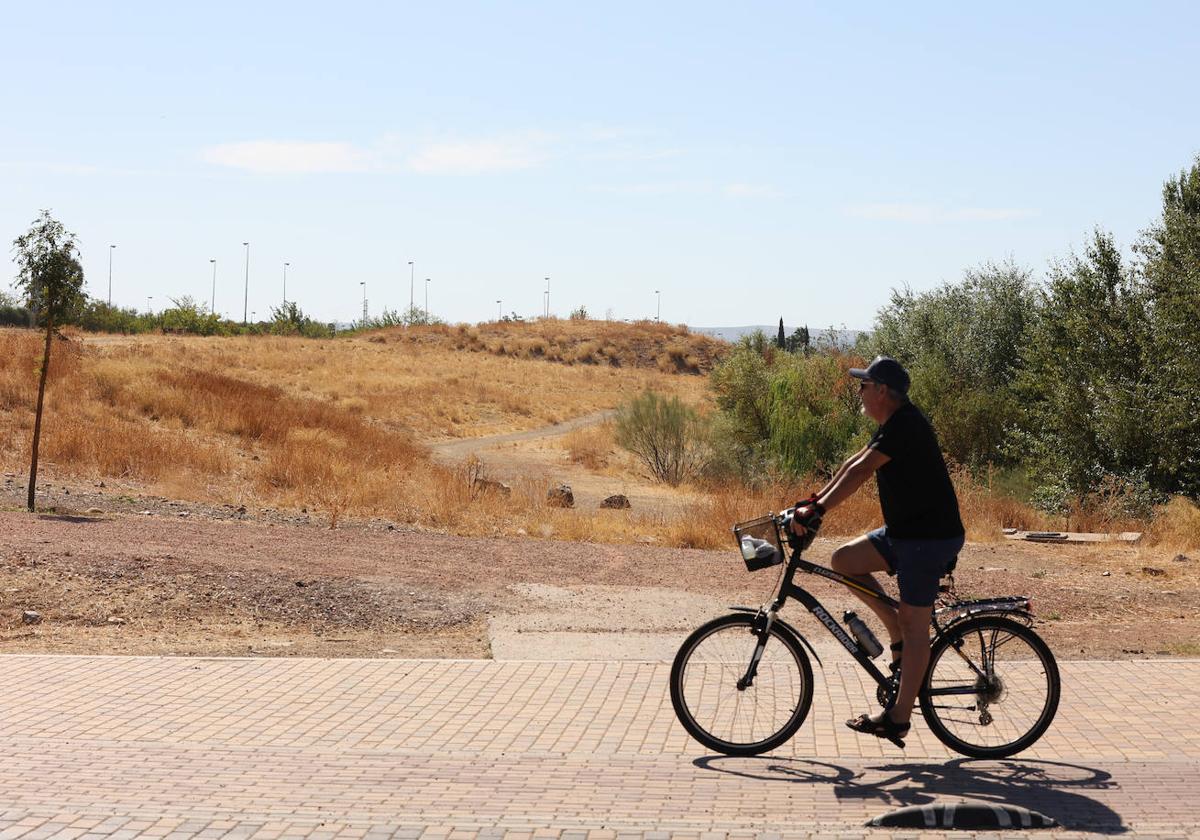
{"points": [[149, 308], [246, 299], [657, 305], [212, 306], [111, 248], [426, 301], [547, 297], [363, 283], [499, 311], [285, 265], [412, 274]]}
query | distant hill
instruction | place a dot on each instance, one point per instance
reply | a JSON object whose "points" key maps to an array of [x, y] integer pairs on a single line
{"points": [[817, 335], [642, 344]]}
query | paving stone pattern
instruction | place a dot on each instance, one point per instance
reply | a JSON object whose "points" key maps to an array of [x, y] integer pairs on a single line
{"points": [[171, 747]]}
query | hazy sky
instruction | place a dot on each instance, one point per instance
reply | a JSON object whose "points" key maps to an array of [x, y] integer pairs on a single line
{"points": [[748, 160]]}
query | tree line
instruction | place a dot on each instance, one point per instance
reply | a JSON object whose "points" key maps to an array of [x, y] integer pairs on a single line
{"points": [[1082, 389]]}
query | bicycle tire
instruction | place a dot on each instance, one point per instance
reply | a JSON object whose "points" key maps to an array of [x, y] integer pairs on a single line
{"points": [[999, 715], [783, 684]]}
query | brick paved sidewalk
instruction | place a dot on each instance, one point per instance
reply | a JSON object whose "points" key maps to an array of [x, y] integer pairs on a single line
{"points": [[123, 747]]}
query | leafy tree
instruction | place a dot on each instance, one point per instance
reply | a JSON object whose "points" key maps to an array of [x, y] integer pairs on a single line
{"points": [[186, 315], [781, 339], [961, 345], [782, 412], [49, 273], [1085, 408], [290, 319], [798, 341], [1170, 251], [580, 314]]}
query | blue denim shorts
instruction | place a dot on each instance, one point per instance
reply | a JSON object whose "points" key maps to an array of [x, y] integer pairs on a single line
{"points": [[917, 564]]}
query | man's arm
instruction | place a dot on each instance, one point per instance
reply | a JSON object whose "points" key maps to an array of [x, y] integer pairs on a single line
{"points": [[841, 471], [851, 478], [852, 474]]}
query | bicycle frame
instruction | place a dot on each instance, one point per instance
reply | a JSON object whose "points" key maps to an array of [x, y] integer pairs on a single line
{"points": [[789, 589]]}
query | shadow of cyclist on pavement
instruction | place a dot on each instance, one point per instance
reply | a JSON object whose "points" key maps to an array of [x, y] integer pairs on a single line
{"points": [[1051, 787]]}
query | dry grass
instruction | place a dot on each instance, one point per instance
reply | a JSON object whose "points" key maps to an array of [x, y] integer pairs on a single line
{"points": [[335, 426], [591, 446], [666, 348], [424, 387]]}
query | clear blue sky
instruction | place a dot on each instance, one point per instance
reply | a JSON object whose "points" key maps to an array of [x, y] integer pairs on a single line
{"points": [[749, 160]]}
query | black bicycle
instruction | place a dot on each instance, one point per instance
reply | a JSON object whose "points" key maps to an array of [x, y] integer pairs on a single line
{"points": [[742, 684]]}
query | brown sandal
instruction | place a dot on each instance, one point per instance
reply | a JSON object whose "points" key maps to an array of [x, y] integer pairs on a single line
{"points": [[883, 727]]}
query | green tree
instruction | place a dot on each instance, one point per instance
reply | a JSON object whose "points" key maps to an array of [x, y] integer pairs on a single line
{"points": [[1170, 251], [1085, 408], [781, 338], [49, 273], [961, 345], [186, 315], [782, 412]]}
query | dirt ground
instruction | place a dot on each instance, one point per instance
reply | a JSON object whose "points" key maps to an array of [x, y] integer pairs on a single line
{"points": [[113, 572]]}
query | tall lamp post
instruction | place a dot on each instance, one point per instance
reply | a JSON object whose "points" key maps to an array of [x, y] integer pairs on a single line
{"points": [[657, 305], [246, 299], [285, 265], [149, 308], [111, 248], [499, 311], [547, 297], [212, 306], [363, 283], [426, 301], [412, 275]]}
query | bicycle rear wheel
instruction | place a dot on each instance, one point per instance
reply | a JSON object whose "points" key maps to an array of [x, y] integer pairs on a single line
{"points": [[724, 710], [992, 688]]}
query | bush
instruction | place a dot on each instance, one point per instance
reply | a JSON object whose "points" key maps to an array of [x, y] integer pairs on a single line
{"points": [[783, 413], [664, 434]]}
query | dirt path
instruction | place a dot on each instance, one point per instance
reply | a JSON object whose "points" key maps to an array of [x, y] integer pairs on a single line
{"points": [[159, 582], [537, 454], [458, 448]]}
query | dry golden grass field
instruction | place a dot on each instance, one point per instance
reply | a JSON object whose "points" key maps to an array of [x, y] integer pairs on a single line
{"points": [[189, 486], [343, 428]]}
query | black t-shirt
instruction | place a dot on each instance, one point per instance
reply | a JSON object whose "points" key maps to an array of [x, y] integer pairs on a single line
{"points": [[915, 492]]}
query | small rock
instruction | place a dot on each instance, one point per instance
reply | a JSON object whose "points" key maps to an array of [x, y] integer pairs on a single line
{"points": [[388, 650], [616, 502], [1153, 572], [147, 513], [241, 510], [1181, 558], [301, 584], [183, 513], [31, 617], [1105, 574], [116, 620], [521, 532], [561, 496]]}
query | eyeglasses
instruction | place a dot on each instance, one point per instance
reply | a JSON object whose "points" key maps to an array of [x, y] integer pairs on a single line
{"points": [[862, 385]]}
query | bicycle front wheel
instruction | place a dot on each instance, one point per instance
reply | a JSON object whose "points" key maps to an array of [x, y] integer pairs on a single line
{"points": [[728, 703], [992, 688]]}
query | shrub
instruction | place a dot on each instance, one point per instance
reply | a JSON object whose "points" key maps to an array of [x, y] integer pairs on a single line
{"points": [[664, 434]]}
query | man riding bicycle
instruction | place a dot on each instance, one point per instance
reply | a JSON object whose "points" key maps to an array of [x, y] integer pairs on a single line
{"points": [[921, 536]]}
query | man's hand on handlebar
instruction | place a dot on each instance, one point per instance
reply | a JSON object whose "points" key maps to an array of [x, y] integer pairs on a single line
{"points": [[806, 517]]}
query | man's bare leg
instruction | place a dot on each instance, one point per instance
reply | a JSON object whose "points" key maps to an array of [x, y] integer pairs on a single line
{"points": [[857, 559], [914, 627]]}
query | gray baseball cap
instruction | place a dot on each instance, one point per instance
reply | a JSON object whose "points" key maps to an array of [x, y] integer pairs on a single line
{"points": [[886, 371]]}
